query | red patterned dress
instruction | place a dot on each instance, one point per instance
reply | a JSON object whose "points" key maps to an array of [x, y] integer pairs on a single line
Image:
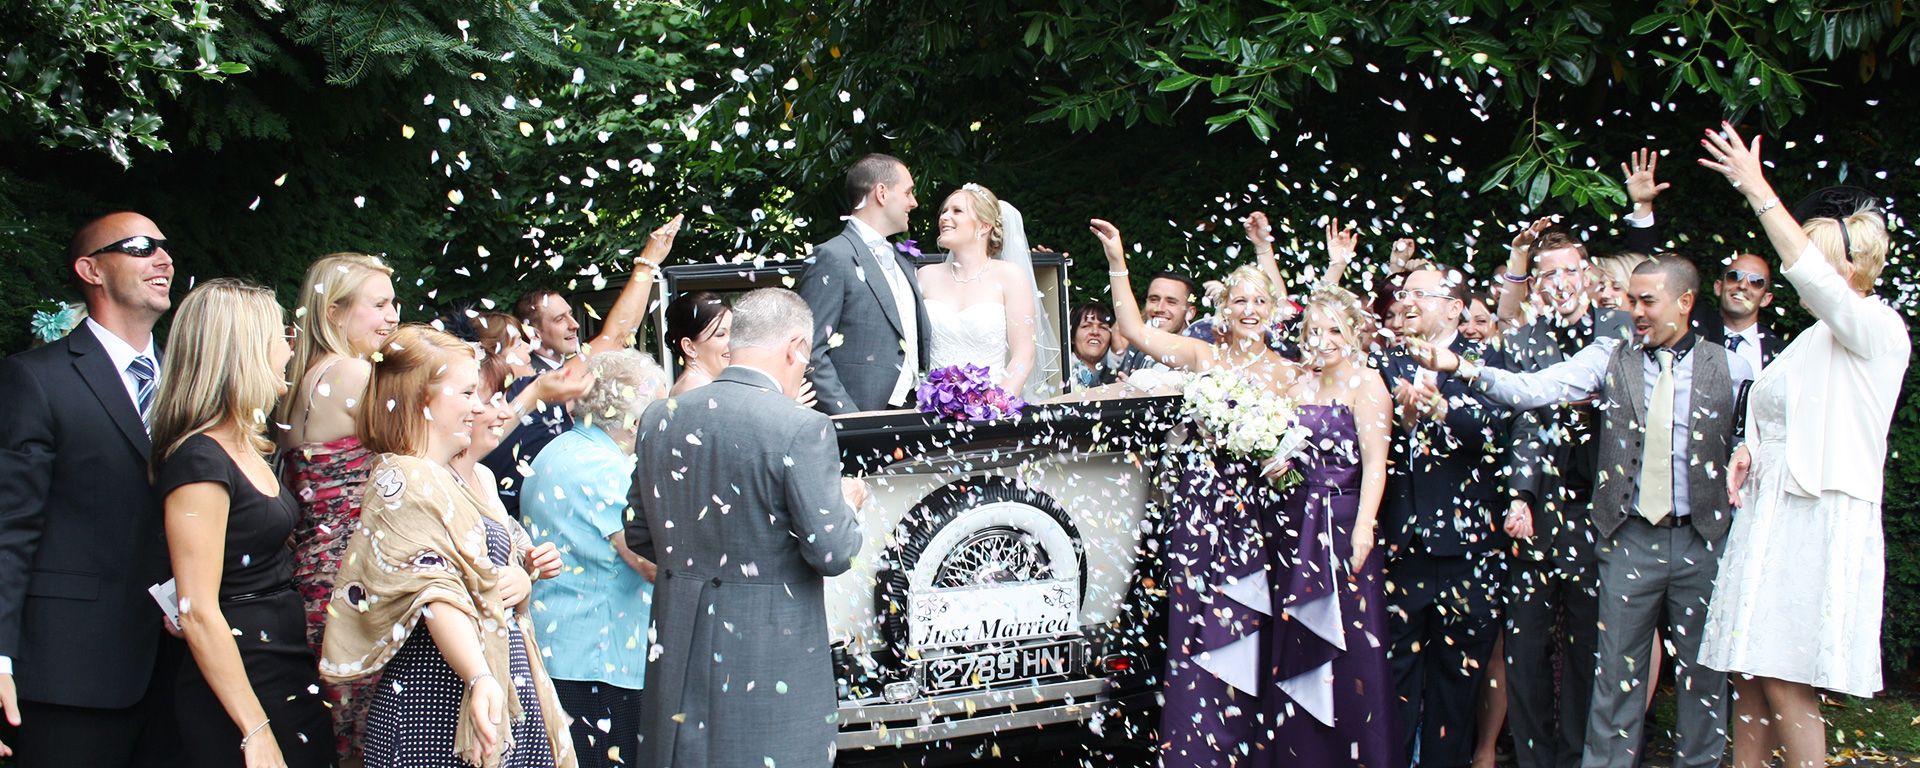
{"points": [[327, 479]]}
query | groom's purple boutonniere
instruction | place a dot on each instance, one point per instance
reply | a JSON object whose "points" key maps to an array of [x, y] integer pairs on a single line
{"points": [[965, 393], [907, 247]]}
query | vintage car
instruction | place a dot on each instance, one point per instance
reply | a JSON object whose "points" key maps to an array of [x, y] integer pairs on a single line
{"points": [[1008, 585]]}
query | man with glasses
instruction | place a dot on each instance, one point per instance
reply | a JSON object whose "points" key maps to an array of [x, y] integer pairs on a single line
{"points": [[1442, 533], [1744, 289], [86, 670]]}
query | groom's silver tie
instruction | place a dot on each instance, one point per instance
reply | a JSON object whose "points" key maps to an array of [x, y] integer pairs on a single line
{"points": [[909, 322]]}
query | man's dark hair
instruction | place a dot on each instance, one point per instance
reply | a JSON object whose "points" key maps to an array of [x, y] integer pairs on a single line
{"points": [[1193, 288], [1682, 276], [1553, 240], [1093, 309], [869, 172], [528, 307]]}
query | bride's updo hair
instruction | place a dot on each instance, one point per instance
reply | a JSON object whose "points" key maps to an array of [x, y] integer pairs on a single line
{"points": [[1245, 274], [1863, 244], [1346, 310], [986, 208]]}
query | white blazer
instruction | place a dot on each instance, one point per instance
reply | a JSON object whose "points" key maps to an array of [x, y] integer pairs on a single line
{"points": [[1843, 376]]}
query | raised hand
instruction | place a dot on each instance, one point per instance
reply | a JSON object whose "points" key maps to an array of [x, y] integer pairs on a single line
{"points": [[1343, 244], [1737, 160], [1259, 232], [1109, 236], [1524, 240], [1401, 255], [1642, 187], [660, 243]]}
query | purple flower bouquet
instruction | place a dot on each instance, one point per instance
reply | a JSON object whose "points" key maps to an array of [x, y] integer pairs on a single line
{"points": [[965, 393]]}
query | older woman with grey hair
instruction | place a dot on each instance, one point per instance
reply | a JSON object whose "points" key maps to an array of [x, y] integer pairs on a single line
{"points": [[594, 615]]}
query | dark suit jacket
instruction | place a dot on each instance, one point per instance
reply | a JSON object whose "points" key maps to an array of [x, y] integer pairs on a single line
{"points": [[81, 533], [1711, 327], [850, 299], [1448, 493]]}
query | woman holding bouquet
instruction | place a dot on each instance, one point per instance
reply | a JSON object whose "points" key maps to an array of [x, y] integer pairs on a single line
{"points": [[1224, 515], [1328, 586]]}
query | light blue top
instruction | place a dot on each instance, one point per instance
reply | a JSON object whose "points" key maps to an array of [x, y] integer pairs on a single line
{"points": [[592, 619]]}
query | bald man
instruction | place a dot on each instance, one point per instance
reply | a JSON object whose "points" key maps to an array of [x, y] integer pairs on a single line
{"points": [[86, 666], [1745, 288]]}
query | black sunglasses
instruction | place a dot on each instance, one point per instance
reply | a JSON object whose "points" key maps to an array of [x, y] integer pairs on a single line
{"points": [[1754, 279], [138, 246]]}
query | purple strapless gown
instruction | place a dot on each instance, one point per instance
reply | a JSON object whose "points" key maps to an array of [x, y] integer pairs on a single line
{"points": [[1332, 701], [1218, 600]]}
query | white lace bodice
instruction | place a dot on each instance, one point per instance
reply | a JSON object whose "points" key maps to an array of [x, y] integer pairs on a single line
{"points": [[976, 334]]}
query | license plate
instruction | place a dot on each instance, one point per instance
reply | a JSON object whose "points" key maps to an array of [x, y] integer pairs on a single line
{"points": [[984, 669]]}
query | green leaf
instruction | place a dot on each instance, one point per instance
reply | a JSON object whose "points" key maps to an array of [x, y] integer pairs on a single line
{"points": [[1178, 82], [1033, 31], [1651, 23], [233, 68]]}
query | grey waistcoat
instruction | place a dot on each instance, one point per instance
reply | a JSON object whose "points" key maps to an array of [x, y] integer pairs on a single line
{"points": [[1623, 407]]}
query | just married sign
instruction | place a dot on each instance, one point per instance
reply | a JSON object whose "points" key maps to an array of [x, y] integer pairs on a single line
{"points": [[993, 613]]}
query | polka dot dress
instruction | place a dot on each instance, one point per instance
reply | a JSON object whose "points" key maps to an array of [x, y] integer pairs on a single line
{"points": [[417, 705]]}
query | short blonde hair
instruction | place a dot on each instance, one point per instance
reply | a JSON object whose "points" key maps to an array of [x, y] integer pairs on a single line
{"points": [[625, 382], [219, 365], [1347, 311], [394, 417], [1245, 274], [986, 208], [333, 278], [1618, 267], [1866, 234]]}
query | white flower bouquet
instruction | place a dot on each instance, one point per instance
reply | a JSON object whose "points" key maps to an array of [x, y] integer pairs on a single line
{"points": [[1246, 421]]}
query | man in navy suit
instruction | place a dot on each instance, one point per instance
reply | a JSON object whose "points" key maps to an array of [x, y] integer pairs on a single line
{"points": [[86, 670], [1442, 528]]}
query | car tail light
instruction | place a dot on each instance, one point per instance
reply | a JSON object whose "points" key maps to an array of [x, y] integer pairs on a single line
{"points": [[1118, 662]]}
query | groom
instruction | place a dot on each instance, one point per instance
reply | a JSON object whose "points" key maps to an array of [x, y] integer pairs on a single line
{"points": [[870, 331]]}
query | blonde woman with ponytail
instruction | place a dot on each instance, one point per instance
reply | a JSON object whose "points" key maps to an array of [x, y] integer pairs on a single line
{"points": [[1797, 604], [250, 697]]}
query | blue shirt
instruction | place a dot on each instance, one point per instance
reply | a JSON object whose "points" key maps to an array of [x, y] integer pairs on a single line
{"points": [[592, 618]]}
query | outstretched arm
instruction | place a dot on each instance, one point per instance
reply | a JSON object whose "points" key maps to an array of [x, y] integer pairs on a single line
{"points": [[1519, 275], [1573, 379], [1342, 245], [631, 306], [1170, 349], [1643, 231], [1260, 233]]}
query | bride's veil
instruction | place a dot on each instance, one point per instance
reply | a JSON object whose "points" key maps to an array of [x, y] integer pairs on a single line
{"points": [[1041, 384]]}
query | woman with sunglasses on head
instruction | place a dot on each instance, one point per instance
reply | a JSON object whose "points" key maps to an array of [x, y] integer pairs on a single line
{"points": [[1797, 603], [423, 595], [250, 697], [1221, 528]]}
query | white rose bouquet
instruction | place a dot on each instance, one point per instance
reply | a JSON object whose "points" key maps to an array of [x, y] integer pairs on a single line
{"points": [[1246, 421]]}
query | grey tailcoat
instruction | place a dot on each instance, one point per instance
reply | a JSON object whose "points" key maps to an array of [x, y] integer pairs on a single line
{"points": [[850, 298], [736, 497]]}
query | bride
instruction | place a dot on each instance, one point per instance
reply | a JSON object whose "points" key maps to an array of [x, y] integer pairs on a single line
{"points": [[984, 310]]}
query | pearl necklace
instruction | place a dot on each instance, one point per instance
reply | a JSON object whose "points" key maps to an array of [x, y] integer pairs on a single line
{"points": [[955, 265]]}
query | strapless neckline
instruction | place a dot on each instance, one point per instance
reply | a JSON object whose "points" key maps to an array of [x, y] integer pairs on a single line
{"points": [[969, 308]]}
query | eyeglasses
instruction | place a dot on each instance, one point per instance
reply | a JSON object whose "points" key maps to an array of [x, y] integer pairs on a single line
{"points": [[1742, 276], [138, 246], [1407, 295]]}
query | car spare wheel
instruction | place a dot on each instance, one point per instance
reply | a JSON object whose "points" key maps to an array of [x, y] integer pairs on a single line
{"points": [[977, 532]]}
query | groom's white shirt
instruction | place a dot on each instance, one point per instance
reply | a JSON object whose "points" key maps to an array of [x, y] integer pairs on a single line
{"points": [[902, 291]]}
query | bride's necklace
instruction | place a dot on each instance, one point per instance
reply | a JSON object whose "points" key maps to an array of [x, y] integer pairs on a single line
{"points": [[955, 264]]}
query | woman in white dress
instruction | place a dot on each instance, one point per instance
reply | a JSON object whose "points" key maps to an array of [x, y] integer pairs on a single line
{"points": [[981, 301], [1797, 605]]}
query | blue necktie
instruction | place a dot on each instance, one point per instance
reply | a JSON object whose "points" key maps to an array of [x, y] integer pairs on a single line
{"points": [[1733, 342], [148, 383]]}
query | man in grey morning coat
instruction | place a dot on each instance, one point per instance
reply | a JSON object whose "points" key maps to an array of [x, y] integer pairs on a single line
{"points": [[737, 497], [870, 330]]}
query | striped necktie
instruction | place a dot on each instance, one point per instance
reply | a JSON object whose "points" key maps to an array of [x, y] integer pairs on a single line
{"points": [[147, 385]]}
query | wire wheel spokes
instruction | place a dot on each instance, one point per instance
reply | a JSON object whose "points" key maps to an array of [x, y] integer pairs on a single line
{"points": [[996, 555]]}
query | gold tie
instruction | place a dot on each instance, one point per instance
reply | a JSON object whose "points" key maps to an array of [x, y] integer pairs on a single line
{"points": [[1656, 461]]}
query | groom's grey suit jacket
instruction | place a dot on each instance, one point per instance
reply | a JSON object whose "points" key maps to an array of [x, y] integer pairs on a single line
{"points": [[736, 497], [849, 296]]}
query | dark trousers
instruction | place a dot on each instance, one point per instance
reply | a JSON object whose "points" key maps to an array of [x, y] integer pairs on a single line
{"points": [[1552, 609], [1442, 620], [144, 735], [606, 722]]}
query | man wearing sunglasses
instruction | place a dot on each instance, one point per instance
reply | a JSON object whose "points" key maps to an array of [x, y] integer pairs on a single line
{"points": [[1744, 289], [86, 670]]}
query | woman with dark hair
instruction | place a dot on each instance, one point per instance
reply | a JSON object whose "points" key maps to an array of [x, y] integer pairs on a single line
{"points": [[1089, 364], [698, 326]]}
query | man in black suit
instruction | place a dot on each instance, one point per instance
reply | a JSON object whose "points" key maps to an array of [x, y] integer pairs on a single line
{"points": [[1443, 534], [1745, 288], [81, 535]]}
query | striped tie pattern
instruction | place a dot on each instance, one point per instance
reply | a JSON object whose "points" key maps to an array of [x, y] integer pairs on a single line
{"points": [[148, 383]]}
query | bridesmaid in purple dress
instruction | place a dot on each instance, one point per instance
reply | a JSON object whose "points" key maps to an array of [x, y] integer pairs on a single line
{"points": [[1333, 697]]}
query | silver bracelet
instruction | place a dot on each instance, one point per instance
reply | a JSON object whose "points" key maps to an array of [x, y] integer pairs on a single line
{"points": [[1770, 204], [1116, 273], [471, 681], [255, 732]]}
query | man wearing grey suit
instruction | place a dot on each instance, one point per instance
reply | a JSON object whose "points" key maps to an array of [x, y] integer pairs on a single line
{"points": [[737, 497], [1667, 400], [870, 330]]}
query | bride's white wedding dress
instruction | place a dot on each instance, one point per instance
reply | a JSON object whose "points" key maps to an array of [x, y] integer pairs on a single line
{"points": [[974, 335]]}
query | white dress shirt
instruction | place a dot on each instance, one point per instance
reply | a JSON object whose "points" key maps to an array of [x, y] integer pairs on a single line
{"points": [[123, 355], [902, 290]]}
